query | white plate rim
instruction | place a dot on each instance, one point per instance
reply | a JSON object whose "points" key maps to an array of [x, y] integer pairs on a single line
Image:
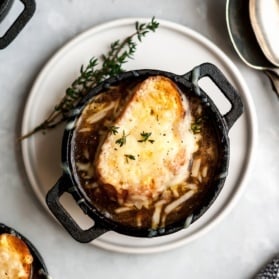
{"points": [[248, 103]]}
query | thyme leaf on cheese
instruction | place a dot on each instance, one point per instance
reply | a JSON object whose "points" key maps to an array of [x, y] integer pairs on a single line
{"points": [[111, 64], [145, 137], [113, 129], [121, 141], [129, 157]]}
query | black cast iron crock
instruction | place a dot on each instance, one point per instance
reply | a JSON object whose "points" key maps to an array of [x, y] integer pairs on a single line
{"points": [[19, 23], [39, 270], [222, 124]]}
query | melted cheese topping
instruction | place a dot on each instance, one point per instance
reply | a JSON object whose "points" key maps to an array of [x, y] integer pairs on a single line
{"points": [[15, 258], [140, 170]]}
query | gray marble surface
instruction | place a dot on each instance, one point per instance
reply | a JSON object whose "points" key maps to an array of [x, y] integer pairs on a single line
{"points": [[235, 248]]}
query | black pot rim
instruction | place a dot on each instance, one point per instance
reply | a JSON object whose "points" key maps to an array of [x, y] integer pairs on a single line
{"points": [[19, 23], [186, 81], [5, 6]]}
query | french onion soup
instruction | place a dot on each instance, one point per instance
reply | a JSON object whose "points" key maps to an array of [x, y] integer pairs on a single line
{"points": [[15, 258], [145, 153]]}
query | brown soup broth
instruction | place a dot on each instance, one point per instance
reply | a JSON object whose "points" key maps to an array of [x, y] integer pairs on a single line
{"points": [[89, 134]]}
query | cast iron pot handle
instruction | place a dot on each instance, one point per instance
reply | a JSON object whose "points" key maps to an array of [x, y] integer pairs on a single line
{"points": [[52, 200], [20, 22], [211, 71]]}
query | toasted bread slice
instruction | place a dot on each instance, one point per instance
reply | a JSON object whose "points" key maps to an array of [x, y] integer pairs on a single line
{"points": [[15, 258], [153, 146]]}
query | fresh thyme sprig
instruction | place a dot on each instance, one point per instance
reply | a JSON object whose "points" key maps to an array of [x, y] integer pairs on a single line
{"points": [[113, 129], [129, 157], [121, 141], [111, 64], [145, 137]]}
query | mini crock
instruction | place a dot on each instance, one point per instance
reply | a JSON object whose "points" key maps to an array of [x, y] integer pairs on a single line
{"points": [[222, 123], [39, 270], [19, 23]]}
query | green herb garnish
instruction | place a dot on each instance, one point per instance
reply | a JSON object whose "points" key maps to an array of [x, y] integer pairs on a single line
{"points": [[121, 141], [113, 129], [196, 125], [129, 157], [145, 137], [111, 64]]}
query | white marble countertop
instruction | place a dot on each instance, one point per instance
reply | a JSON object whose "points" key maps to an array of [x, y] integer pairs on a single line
{"points": [[235, 248]]}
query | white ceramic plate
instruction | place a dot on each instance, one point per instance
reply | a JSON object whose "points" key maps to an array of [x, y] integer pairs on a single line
{"points": [[174, 48]]}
